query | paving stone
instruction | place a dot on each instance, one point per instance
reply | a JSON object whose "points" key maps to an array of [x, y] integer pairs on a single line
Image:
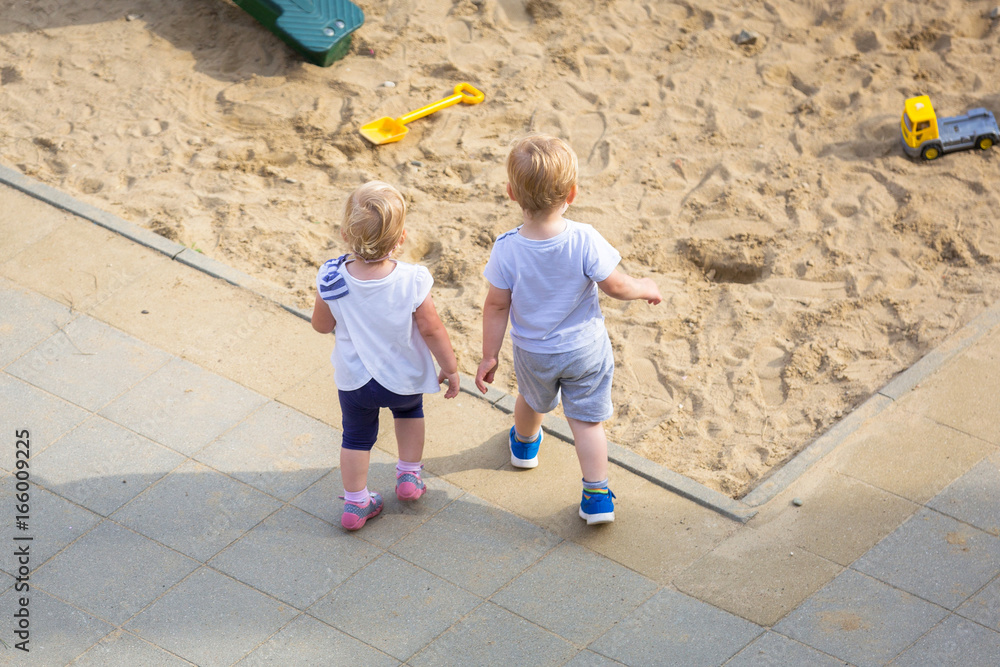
{"points": [[306, 642], [197, 511], [962, 394], [123, 648], [101, 465], [44, 416], [908, 455], [216, 316], [276, 449], [860, 620], [549, 593], [491, 635], [211, 619], [397, 519], [58, 632], [758, 574], [475, 545], [656, 532], [481, 442], [935, 557], [954, 641], [672, 624], [395, 606], [24, 220], [984, 606], [67, 269], [840, 518], [113, 572], [316, 396], [268, 359], [88, 363], [26, 319], [772, 650], [295, 557], [973, 497], [54, 523], [591, 659], [183, 406]]}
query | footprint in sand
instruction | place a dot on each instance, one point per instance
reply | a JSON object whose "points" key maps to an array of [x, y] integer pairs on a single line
{"points": [[589, 142], [770, 364]]}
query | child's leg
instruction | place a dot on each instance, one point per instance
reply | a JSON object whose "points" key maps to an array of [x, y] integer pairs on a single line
{"points": [[527, 422], [354, 469], [408, 421], [410, 439], [591, 449]]}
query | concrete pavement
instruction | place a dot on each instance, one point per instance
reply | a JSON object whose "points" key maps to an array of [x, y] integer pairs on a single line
{"points": [[181, 500]]}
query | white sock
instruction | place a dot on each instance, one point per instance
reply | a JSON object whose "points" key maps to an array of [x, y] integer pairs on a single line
{"points": [[405, 466], [358, 497]]}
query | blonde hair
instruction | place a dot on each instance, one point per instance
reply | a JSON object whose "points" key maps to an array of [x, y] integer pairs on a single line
{"points": [[373, 220], [541, 170]]}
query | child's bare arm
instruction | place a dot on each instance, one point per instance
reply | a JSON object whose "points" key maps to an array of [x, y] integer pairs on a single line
{"points": [[322, 319], [496, 311], [622, 286], [436, 336]]}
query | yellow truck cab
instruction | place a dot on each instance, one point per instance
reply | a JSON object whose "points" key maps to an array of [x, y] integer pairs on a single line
{"points": [[924, 135]]}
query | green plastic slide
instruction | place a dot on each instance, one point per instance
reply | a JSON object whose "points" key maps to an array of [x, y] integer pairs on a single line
{"points": [[318, 29]]}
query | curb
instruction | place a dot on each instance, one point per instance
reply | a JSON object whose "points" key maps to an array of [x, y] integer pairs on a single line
{"points": [[741, 510]]}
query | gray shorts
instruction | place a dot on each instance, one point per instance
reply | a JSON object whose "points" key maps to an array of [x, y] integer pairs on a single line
{"points": [[583, 377]]}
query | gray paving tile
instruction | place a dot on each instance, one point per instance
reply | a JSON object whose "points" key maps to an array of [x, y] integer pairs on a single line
{"points": [[973, 497], [112, 572], [772, 650], [57, 632], [295, 557], [404, 607], [673, 624], [549, 593], [183, 406], [88, 363], [491, 635], [475, 545], [591, 659], [861, 620], [125, 649], [101, 465], [26, 319], [197, 511], [211, 619], [397, 519], [934, 557], [24, 407], [955, 641], [984, 606], [306, 642], [54, 522], [276, 449]]}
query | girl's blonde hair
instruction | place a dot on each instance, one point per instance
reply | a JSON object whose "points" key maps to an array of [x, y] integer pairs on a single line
{"points": [[542, 171], [373, 220]]}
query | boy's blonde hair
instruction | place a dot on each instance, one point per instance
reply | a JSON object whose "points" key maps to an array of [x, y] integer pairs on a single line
{"points": [[373, 220], [541, 170]]}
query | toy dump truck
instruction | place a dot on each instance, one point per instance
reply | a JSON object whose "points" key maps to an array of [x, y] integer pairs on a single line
{"points": [[927, 136]]}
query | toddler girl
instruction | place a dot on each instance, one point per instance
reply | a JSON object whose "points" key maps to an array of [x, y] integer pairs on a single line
{"points": [[386, 330]]}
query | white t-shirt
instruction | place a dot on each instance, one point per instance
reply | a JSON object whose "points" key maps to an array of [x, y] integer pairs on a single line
{"points": [[553, 284], [377, 335]]}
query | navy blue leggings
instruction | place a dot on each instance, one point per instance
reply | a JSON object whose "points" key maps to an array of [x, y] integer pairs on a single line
{"points": [[360, 409]]}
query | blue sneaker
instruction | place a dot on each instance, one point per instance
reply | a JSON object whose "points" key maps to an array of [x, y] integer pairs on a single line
{"points": [[597, 506], [524, 454]]}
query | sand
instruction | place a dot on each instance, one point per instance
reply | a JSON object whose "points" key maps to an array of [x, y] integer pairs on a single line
{"points": [[804, 260]]}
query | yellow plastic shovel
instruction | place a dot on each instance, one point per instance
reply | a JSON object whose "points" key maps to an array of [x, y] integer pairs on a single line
{"points": [[387, 130]]}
